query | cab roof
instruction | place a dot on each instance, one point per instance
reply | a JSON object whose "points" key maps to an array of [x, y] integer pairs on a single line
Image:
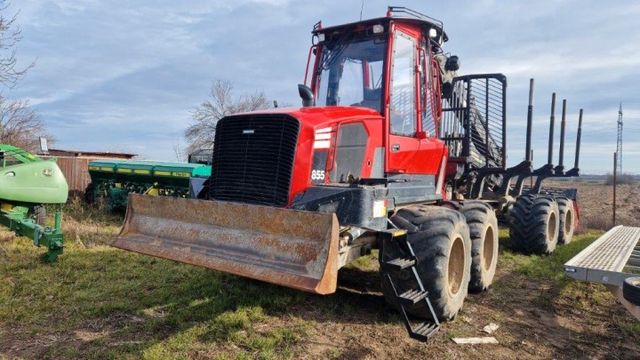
{"points": [[394, 13]]}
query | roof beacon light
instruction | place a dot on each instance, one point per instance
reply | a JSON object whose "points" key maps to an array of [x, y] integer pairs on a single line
{"points": [[378, 29]]}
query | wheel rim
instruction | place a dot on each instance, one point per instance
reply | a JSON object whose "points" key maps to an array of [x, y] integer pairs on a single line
{"points": [[568, 221], [551, 226], [456, 266], [487, 250]]}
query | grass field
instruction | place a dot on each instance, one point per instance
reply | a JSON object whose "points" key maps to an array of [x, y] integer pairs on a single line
{"points": [[101, 302]]}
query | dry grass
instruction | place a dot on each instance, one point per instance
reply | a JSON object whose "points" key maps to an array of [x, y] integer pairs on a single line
{"points": [[101, 302], [596, 204]]}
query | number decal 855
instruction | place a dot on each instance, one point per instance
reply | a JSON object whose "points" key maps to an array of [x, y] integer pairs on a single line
{"points": [[317, 175]]}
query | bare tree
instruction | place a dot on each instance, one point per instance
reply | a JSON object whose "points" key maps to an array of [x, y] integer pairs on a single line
{"points": [[10, 36], [201, 132], [20, 125]]}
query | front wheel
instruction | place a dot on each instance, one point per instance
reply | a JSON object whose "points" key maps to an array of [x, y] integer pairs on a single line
{"points": [[440, 240]]}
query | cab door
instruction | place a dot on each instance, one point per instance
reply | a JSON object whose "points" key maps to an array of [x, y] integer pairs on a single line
{"points": [[402, 141], [413, 144]]}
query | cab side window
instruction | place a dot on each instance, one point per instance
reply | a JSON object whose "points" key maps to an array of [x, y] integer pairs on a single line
{"points": [[429, 111], [403, 99]]}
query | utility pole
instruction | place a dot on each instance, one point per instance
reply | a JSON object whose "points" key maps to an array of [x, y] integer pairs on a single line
{"points": [[619, 145], [615, 183]]}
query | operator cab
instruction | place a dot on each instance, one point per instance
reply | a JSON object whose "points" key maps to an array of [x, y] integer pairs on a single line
{"points": [[393, 65], [358, 64]]}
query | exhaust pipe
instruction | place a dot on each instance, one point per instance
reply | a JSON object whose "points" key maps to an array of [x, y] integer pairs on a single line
{"points": [[306, 94]]}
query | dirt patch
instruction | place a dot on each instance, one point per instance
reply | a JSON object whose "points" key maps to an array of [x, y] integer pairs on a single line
{"points": [[537, 321], [86, 336]]}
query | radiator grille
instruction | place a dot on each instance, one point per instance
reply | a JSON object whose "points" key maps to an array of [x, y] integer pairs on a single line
{"points": [[253, 159]]}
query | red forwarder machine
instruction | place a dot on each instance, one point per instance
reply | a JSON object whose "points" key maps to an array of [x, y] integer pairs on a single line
{"points": [[391, 150]]}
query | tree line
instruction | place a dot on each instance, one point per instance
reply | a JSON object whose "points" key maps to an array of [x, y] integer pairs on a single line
{"points": [[20, 125]]}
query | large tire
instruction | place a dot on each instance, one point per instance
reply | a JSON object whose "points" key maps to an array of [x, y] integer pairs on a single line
{"points": [[631, 290], [40, 214], [440, 240], [534, 224], [90, 193], [483, 228], [567, 220]]}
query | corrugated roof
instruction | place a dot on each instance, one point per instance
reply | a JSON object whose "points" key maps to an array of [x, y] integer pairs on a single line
{"points": [[78, 153]]}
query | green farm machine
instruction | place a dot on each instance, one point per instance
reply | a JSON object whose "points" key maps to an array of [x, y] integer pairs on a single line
{"points": [[27, 184], [114, 180]]}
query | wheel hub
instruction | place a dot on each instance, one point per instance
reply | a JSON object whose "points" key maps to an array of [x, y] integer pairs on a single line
{"points": [[551, 226], [456, 266], [568, 221], [487, 250]]}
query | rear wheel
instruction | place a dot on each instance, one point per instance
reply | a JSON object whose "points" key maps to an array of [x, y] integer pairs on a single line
{"points": [[440, 240], [534, 224], [567, 220]]}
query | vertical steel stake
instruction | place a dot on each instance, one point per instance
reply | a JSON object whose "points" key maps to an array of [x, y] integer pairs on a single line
{"points": [[615, 171]]}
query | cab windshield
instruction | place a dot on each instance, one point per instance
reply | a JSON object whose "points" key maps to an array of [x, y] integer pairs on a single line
{"points": [[350, 73]]}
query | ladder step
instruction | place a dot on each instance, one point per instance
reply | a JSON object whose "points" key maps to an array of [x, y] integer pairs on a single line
{"points": [[424, 331], [401, 263], [412, 297]]}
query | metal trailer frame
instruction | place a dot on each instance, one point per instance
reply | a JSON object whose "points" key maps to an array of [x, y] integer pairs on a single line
{"points": [[493, 180], [609, 260]]}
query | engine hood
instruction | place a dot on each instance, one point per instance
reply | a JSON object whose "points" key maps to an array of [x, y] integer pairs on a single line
{"points": [[324, 116]]}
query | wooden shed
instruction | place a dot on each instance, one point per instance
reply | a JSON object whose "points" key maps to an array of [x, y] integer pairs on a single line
{"points": [[75, 165]]}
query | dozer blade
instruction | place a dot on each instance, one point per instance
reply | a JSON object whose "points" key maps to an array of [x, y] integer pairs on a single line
{"points": [[297, 249]]}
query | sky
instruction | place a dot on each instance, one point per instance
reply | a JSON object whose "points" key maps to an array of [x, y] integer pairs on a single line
{"points": [[126, 75]]}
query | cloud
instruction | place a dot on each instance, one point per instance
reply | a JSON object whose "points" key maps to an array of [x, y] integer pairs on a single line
{"points": [[125, 75]]}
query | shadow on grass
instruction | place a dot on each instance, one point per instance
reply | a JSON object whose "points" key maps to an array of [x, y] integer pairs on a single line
{"points": [[104, 302], [101, 302]]}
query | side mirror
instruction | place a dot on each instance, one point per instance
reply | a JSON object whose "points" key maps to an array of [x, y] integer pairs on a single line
{"points": [[306, 95], [452, 64]]}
